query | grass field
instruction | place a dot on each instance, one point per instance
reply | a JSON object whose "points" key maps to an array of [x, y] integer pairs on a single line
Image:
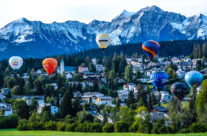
{"points": [[14, 132]]}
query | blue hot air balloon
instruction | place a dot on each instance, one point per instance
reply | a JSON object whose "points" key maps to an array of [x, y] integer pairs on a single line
{"points": [[193, 78], [159, 80], [150, 48]]}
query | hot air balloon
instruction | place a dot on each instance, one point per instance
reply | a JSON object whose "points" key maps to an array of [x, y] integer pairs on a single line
{"points": [[193, 78], [15, 62], [179, 90], [49, 65], [103, 41], [159, 79], [150, 48]]}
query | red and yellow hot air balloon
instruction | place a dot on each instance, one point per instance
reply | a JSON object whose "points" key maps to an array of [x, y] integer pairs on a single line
{"points": [[49, 65]]}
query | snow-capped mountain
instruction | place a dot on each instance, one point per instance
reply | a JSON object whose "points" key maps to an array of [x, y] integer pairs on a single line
{"points": [[36, 39]]}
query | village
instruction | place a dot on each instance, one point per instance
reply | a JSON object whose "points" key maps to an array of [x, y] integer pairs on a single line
{"points": [[144, 66]]}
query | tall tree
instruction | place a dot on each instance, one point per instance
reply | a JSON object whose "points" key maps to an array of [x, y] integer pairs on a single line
{"points": [[66, 104], [128, 73], [21, 109], [204, 50]]}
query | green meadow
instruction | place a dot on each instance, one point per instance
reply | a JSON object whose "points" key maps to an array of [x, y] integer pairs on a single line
{"points": [[14, 132]]}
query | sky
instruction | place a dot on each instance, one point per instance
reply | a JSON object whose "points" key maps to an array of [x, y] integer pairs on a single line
{"points": [[49, 11]]}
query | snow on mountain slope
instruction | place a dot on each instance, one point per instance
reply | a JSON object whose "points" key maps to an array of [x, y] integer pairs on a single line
{"points": [[37, 39]]}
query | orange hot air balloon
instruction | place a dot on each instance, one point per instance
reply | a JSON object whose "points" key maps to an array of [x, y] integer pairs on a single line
{"points": [[49, 65]]}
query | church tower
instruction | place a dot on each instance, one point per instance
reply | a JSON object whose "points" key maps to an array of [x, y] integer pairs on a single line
{"points": [[62, 67]]}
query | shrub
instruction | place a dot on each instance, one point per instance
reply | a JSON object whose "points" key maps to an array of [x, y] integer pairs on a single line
{"points": [[71, 127], [197, 127], [95, 127], [36, 126], [23, 125], [121, 126], [108, 127], [134, 127], [50, 125], [184, 130], [60, 126], [9, 121], [163, 130], [82, 127]]}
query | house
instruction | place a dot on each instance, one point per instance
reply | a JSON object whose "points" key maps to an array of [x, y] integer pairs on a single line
{"points": [[129, 86], [5, 91], [99, 67], [2, 97], [69, 75], [54, 110], [82, 69], [77, 94], [123, 95], [91, 96], [6, 109], [159, 109], [41, 106], [103, 100], [165, 96], [154, 116], [180, 73], [25, 76]]}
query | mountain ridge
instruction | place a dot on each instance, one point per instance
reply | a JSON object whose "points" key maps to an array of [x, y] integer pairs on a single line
{"points": [[37, 39]]}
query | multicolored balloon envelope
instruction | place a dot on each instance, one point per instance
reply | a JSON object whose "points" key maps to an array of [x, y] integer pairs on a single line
{"points": [[179, 90], [103, 40], [193, 78], [49, 65], [159, 80], [15, 62], [150, 48]]}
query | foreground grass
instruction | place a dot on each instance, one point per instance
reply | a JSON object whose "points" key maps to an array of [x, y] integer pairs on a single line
{"points": [[14, 132]]}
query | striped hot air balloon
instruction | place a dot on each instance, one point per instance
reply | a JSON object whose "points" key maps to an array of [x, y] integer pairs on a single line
{"points": [[150, 48]]}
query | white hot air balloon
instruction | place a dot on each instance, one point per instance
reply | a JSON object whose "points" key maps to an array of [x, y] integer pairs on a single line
{"points": [[15, 62], [103, 41]]}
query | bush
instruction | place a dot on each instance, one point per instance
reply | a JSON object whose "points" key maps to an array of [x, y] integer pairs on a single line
{"points": [[163, 130], [121, 126], [9, 121], [95, 127], [36, 126], [108, 127], [82, 127], [60, 126], [197, 127], [50, 125], [134, 127], [184, 130], [23, 125], [71, 127]]}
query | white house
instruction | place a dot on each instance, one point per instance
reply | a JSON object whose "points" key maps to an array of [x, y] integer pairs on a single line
{"points": [[2, 97], [103, 100], [82, 69], [5, 91], [54, 110], [129, 86], [180, 73], [6, 109], [99, 67]]}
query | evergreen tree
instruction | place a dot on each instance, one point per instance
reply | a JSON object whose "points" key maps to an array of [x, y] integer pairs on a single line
{"points": [[66, 104], [95, 86], [131, 100], [76, 105], [204, 50], [128, 73], [91, 67]]}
